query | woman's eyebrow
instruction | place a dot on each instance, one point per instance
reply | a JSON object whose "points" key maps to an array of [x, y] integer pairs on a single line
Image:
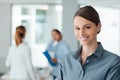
{"points": [[88, 24], [75, 26]]}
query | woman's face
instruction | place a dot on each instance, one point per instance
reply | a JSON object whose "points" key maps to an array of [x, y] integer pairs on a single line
{"points": [[56, 36], [85, 30]]}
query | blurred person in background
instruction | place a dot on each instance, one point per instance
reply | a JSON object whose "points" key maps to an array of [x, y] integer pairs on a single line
{"points": [[58, 48], [19, 58]]}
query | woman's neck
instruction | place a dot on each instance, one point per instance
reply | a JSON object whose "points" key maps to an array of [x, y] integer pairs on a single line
{"points": [[18, 42], [88, 50], [59, 40]]}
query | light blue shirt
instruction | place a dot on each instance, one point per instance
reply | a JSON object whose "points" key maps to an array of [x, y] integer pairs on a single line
{"points": [[60, 50], [101, 65]]}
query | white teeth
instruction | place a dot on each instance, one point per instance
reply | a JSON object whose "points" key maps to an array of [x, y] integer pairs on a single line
{"points": [[84, 38]]}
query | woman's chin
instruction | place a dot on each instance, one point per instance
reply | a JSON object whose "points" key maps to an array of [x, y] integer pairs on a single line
{"points": [[84, 42]]}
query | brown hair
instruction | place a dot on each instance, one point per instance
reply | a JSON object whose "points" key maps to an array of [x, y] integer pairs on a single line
{"points": [[21, 31], [89, 13], [56, 30]]}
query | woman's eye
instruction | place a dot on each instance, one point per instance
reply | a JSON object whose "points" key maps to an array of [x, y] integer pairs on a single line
{"points": [[88, 27], [77, 28]]}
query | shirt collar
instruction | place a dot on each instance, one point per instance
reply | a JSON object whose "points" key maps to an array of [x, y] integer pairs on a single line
{"points": [[98, 52]]}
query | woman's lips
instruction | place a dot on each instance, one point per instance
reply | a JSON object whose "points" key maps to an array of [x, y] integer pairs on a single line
{"points": [[84, 38]]}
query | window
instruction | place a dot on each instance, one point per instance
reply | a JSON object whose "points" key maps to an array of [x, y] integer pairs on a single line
{"points": [[109, 36], [39, 20]]}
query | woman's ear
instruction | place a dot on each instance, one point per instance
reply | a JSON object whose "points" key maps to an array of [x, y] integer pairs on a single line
{"points": [[98, 28]]}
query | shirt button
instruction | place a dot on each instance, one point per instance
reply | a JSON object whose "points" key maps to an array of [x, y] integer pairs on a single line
{"points": [[82, 72], [87, 61]]}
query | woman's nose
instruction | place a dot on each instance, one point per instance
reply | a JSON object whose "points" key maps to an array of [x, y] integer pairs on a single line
{"points": [[81, 32]]}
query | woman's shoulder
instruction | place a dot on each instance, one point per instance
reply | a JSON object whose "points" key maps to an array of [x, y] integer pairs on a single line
{"points": [[12, 47], [51, 41], [70, 57], [63, 43], [25, 46], [111, 58], [110, 55]]}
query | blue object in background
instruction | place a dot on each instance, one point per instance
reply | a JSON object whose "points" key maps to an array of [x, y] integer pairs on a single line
{"points": [[49, 58]]}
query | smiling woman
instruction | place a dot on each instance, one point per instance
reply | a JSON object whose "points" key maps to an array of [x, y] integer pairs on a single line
{"points": [[91, 56]]}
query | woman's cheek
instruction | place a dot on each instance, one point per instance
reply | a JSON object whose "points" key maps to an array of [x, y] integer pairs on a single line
{"points": [[76, 35]]}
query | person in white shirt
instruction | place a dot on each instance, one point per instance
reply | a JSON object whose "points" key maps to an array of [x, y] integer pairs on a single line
{"points": [[19, 58]]}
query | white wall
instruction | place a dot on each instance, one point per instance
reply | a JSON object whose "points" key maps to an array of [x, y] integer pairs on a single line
{"points": [[105, 3], [31, 1], [4, 33], [69, 9]]}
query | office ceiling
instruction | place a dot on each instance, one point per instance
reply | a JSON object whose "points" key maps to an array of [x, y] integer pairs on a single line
{"points": [[32, 1], [108, 3]]}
